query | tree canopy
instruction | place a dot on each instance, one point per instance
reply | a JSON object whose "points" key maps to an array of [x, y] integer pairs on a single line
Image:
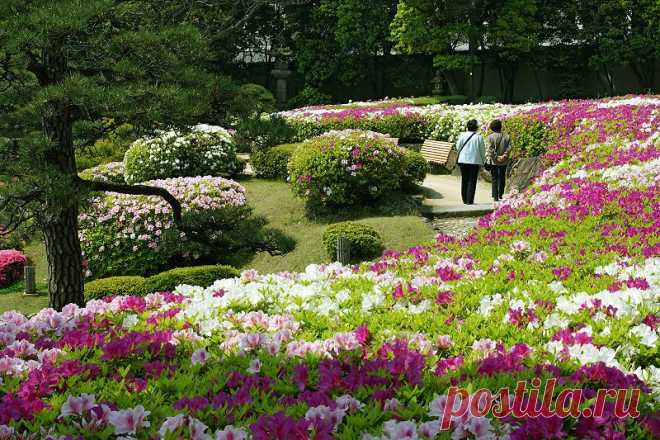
{"points": [[71, 71]]}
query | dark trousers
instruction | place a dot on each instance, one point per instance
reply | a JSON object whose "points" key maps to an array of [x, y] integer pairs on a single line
{"points": [[498, 174], [469, 176]]}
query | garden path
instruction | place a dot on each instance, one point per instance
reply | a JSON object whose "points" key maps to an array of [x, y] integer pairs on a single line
{"points": [[445, 191]]}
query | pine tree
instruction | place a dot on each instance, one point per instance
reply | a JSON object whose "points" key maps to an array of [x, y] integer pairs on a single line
{"points": [[71, 70]]}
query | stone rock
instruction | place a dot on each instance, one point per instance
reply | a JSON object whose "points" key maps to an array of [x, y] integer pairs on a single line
{"points": [[522, 173]]}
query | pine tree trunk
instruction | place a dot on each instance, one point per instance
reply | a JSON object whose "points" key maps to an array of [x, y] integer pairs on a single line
{"points": [[60, 221], [65, 270]]}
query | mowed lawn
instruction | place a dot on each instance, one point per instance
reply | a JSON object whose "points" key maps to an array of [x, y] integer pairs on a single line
{"points": [[396, 219]]}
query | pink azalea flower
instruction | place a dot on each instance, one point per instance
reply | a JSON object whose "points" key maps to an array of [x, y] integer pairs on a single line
{"points": [[231, 433], [128, 421], [199, 356], [78, 405]]}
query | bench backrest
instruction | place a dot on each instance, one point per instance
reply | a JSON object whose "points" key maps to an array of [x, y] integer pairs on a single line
{"points": [[436, 152]]}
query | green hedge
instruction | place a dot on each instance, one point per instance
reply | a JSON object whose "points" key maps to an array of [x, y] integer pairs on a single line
{"points": [[127, 285], [366, 243], [195, 276], [271, 163], [164, 281]]}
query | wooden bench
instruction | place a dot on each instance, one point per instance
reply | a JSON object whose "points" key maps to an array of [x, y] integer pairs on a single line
{"points": [[439, 153]]}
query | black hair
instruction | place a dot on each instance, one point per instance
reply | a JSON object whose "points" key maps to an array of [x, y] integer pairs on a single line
{"points": [[472, 125], [496, 125]]}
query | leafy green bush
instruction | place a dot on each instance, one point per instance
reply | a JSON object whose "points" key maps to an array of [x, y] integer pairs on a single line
{"points": [[124, 285], [109, 149], [272, 163], [346, 169], [487, 100], [164, 281], [309, 96], [249, 102], [365, 241], [204, 151], [195, 276], [415, 169], [110, 172], [261, 133], [529, 137], [453, 99]]}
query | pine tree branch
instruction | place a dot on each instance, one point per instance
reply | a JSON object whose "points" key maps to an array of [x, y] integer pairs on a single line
{"points": [[138, 190]]}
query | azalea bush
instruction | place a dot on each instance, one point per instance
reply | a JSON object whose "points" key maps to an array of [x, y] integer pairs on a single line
{"points": [[11, 266], [135, 235], [559, 282], [346, 168], [398, 118], [205, 150]]}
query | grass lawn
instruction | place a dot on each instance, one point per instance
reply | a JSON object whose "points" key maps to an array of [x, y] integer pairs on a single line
{"points": [[396, 220]]}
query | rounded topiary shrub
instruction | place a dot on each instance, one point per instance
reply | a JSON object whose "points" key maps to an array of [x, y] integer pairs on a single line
{"points": [[135, 235], [346, 169], [115, 286], [272, 163], [11, 266], [365, 241], [195, 276], [112, 172], [205, 150]]}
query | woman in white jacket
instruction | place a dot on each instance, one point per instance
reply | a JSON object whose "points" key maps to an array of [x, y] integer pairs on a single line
{"points": [[471, 156]]}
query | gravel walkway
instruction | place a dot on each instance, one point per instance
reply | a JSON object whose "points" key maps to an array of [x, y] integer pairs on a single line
{"points": [[455, 226]]}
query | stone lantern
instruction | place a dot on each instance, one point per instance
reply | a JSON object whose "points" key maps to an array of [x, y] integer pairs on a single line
{"points": [[437, 82], [281, 73]]}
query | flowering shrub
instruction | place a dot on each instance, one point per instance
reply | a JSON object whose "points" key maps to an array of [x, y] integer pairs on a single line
{"points": [[205, 150], [135, 235], [11, 267], [559, 283], [110, 172], [344, 169], [398, 118]]}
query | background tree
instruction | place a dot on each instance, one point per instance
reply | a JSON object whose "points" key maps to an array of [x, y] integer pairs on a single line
{"points": [[621, 32], [67, 66], [344, 40], [513, 35], [453, 32]]}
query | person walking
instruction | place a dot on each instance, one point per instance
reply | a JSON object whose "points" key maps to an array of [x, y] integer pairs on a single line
{"points": [[471, 157], [498, 148]]}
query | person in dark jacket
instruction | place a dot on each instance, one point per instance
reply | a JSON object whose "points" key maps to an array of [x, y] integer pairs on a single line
{"points": [[499, 149], [471, 157]]}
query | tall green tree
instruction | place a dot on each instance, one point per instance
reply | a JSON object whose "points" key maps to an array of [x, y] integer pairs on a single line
{"points": [[453, 32], [514, 33], [64, 67], [347, 40], [621, 32]]}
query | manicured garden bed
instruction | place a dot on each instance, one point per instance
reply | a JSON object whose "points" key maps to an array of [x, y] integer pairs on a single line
{"points": [[560, 282]]}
